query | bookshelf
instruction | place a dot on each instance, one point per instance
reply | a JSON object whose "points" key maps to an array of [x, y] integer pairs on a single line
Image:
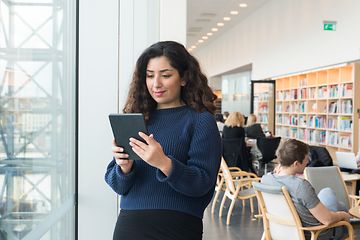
{"points": [[319, 107]]}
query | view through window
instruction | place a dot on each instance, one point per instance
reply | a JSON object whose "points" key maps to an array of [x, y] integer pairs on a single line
{"points": [[37, 119]]}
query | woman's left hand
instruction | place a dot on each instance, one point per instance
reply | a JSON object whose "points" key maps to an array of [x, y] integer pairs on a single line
{"points": [[151, 152]]}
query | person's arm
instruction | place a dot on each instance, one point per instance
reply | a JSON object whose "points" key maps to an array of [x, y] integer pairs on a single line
{"points": [[308, 197], [327, 217], [119, 181], [198, 175]]}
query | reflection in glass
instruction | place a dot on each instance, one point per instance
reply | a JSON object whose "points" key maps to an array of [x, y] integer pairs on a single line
{"points": [[37, 119]]}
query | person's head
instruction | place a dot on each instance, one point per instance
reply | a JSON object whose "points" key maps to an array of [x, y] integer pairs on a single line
{"points": [[166, 76], [251, 120], [235, 119], [219, 117], [293, 153]]}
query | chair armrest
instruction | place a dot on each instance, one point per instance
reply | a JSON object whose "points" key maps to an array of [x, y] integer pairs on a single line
{"points": [[244, 174], [316, 230], [246, 180], [234, 169]]}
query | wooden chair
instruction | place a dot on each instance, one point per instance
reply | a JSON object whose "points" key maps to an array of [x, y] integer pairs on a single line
{"points": [[319, 179], [221, 186], [237, 189], [280, 218]]}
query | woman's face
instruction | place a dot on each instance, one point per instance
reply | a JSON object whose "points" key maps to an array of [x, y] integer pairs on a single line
{"points": [[163, 83]]}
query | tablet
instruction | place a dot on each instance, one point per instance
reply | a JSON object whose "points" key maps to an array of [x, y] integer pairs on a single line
{"points": [[125, 126]]}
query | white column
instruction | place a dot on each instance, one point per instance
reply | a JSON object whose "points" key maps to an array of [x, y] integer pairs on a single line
{"points": [[139, 28], [98, 83], [143, 23], [173, 20]]}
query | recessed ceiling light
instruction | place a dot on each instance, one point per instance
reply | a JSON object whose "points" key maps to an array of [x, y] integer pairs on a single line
{"points": [[200, 41], [209, 34], [227, 18], [234, 12], [204, 37], [193, 46], [214, 29], [220, 24], [243, 5]]}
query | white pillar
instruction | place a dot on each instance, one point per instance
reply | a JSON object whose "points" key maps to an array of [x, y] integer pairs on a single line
{"points": [[98, 82], [142, 23], [173, 20]]}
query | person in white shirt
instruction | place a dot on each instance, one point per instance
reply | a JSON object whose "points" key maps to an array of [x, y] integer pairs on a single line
{"points": [[220, 122]]}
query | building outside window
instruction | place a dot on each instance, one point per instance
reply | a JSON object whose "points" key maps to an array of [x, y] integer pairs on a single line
{"points": [[37, 119]]}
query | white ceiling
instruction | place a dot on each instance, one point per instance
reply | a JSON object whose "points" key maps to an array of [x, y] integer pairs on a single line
{"points": [[203, 15]]}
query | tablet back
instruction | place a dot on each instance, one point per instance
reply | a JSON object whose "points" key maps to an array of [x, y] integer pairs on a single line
{"points": [[125, 126]]}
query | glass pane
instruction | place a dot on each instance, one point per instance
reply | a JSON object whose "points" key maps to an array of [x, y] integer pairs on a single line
{"points": [[263, 101], [236, 92], [37, 119]]}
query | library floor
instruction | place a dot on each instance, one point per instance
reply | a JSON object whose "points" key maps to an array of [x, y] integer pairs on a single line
{"points": [[242, 226]]}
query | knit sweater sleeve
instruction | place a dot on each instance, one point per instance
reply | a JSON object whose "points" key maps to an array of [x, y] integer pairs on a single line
{"points": [[121, 183], [198, 175]]}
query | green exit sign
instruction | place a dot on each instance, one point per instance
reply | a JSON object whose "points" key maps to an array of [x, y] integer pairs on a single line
{"points": [[329, 26]]}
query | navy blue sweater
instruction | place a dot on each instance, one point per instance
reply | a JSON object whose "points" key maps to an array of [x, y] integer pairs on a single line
{"points": [[191, 140]]}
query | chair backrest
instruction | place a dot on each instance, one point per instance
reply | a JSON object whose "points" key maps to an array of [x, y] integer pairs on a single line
{"points": [[268, 147], [227, 176], [280, 218], [254, 131], [319, 157], [235, 153], [322, 177]]}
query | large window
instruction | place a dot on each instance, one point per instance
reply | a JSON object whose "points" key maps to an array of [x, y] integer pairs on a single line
{"points": [[37, 119], [235, 90]]}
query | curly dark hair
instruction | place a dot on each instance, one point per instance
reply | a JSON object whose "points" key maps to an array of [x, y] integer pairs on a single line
{"points": [[196, 92]]}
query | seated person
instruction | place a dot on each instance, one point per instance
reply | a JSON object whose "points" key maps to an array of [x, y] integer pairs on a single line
{"points": [[234, 126], [312, 209], [253, 129]]}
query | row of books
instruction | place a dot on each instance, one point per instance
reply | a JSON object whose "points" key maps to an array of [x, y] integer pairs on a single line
{"points": [[316, 136], [344, 106], [341, 123], [331, 91]]}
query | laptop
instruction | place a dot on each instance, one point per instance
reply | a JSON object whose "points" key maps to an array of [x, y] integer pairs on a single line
{"points": [[346, 160]]}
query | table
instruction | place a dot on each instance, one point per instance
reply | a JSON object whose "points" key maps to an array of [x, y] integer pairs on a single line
{"points": [[350, 179]]}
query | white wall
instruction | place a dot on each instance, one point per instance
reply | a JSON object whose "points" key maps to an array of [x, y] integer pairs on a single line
{"points": [[98, 81], [285, 37]]}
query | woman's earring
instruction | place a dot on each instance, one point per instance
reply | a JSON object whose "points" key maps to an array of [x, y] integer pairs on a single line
{"points": [[183, 84]]}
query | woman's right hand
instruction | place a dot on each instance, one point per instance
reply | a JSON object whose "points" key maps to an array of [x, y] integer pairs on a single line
{"points": [[121, 158]]}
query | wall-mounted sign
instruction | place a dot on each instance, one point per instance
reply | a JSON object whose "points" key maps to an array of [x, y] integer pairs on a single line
{"points": [[329, 26]]}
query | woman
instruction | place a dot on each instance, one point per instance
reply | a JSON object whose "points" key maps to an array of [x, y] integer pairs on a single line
{"points": [[234, 126], [253, 129], [163, 196]]}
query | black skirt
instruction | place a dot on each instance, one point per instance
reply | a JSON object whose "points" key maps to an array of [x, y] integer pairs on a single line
{"points": [[157, 225]]}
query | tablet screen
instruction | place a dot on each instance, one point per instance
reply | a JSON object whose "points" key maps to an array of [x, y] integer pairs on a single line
{"points": [[125, 126]]}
